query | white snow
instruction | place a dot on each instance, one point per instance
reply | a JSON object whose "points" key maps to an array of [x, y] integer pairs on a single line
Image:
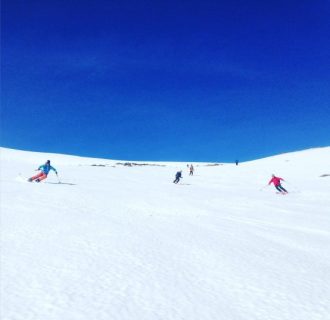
{"points": [[123, 243]]}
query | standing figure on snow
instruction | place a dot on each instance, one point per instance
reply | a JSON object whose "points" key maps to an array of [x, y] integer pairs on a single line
{"points": [[44, 170], [178, 176], [191, 169], [277, 183], [236, 162]]}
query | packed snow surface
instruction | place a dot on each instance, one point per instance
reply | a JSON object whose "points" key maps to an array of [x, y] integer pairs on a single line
{"points": [[108, 241]]}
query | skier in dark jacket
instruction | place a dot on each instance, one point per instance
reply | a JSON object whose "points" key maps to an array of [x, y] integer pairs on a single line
{"points": [[178, 176], [191, 170]]}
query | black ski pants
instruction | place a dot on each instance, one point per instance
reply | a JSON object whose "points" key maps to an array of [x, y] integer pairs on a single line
{"points": [[280, 188]]}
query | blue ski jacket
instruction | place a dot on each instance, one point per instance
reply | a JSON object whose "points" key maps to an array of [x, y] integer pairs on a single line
{"points": [[45, 168]]}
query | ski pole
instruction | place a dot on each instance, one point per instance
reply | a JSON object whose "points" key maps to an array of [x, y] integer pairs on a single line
{"points": [[264, 187], [58, 178]]}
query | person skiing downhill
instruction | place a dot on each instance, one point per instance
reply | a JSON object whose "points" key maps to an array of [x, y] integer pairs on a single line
{"points": [[44, 168], [277, 183], [178, 176], [191, 170]]}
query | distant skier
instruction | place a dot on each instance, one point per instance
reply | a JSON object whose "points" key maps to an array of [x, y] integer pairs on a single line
{"points": [[277, 183], [44, 170], [236, 162], [191, 170], [178, 176]]}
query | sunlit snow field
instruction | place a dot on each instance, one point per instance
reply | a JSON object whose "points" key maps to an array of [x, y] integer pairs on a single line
{"points": [[108, 241]]}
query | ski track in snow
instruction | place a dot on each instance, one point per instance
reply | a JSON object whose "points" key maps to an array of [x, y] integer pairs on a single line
{"points": [[126, 243]]}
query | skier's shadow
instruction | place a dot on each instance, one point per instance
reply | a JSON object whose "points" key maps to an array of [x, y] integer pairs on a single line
{"points": [[59, 183]]}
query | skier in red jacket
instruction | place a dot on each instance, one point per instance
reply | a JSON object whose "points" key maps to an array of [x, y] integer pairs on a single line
{"points": [[277, 183]]}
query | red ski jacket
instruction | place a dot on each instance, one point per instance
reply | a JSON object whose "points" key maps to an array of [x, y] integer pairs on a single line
{"points": [[276, 181]]}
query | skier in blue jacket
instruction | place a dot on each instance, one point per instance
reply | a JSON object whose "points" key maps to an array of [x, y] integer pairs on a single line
{"points": [[178, 176], [44, 170]]}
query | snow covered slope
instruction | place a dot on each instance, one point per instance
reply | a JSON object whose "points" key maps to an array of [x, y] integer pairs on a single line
{"points": [[118, 242]]}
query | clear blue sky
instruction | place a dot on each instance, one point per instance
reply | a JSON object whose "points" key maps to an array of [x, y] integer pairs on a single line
{"points": [[165, 80]]}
